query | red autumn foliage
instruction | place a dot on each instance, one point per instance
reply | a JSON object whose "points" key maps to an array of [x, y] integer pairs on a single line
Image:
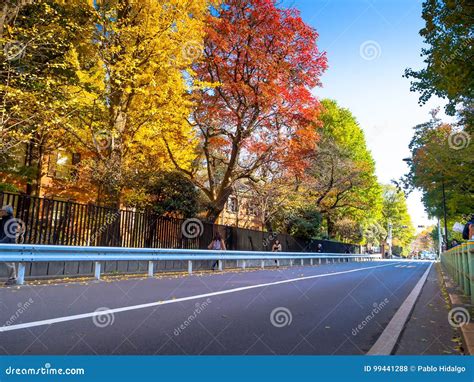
{"points": [[265, 62]]}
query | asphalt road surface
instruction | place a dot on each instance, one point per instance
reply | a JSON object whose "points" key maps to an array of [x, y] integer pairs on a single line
{"points": [[298, 310]]}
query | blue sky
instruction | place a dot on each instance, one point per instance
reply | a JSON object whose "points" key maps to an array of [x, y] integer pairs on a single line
{"points": [[369, 43]]}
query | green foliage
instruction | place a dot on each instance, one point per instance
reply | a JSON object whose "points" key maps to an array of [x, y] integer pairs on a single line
{"points": [[342, 179], [449, 71], [442, 157], [395, 212], [174, 194], [8, 187], [305, 224]]}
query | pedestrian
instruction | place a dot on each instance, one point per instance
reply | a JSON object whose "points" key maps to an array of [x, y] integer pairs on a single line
{"points": [[276, 248], [319, 248], [468, 232], [217, 244], [6, 237]]}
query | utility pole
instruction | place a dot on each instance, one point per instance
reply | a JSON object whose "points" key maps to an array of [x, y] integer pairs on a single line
{"points": [[445, 215]]}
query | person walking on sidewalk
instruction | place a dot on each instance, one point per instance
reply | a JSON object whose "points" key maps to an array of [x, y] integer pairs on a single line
{"points": [[276, 248], [6, 237], [217, 244]]}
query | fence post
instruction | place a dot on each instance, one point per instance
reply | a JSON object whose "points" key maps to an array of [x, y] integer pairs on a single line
{"points": [[97, 270], [470, 260]]}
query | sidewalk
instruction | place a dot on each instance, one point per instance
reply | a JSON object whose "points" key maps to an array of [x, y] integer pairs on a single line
{"points": [[428, 330]]}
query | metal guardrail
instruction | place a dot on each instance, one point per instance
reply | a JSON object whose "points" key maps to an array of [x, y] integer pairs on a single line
{"points": [[29, 253], [459, 263]]}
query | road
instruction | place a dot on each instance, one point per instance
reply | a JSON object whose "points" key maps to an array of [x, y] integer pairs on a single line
{"points": [[298, 310]]}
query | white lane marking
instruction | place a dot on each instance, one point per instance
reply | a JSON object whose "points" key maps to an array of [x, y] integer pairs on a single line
{"points": [[389, 337], [176, 300]]}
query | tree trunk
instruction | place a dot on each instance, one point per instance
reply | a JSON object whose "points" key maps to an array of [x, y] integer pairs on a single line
{"points": [[34, 159], [216, 206], [330, 225]]}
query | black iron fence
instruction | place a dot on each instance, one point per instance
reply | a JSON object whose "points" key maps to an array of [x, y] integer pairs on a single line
{"points": [[58, 222]]}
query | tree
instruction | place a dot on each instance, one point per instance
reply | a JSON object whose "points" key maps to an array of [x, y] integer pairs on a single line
{"points": [[260, 64], [341, 179], [442, 162], [109, 79], [424, 240], [138, 94], [395, 213], [449, 71], [174, 195], [35, 76], [305, 224]]}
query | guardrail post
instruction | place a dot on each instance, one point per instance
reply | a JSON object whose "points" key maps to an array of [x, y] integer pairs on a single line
{"points": [[150, 269], [291, 262], [320, 261], [311, 261], [278, 263], [263, 264], [465, 261], [21, 274], [244, 264], [190, 267], [302, 261], [97, 270], [220, 265]]}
